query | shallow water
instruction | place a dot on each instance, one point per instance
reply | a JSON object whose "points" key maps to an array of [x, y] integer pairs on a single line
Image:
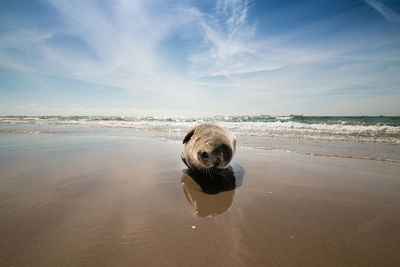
{"points": [[372, 138]]}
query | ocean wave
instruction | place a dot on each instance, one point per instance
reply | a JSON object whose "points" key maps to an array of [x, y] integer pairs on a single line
{"points": [[364, 129]]}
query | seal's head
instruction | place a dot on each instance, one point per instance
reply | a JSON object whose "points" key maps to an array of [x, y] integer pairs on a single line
{"points": [[208, 147]]}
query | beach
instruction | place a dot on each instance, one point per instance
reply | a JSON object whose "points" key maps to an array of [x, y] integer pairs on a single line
{"points": [[126, 200]]}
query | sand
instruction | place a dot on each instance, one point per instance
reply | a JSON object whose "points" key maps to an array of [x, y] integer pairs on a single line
{"points": [[101, 201]]}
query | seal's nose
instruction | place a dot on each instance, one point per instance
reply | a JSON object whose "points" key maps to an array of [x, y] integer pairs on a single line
{"points": [[204, 155]]}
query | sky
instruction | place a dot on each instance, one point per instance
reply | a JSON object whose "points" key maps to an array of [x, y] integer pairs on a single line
{"points": [[199, 57]]}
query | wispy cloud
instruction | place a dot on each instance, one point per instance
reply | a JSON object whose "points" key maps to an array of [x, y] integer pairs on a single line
{"points": [[385, 11], [122, 39], [231, 43]]}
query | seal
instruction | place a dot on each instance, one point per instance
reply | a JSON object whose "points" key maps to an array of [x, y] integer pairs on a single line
{"points": [[208, 148]]}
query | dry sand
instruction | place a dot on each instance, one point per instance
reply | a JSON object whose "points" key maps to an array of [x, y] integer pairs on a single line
{"points": [[94, 201]]}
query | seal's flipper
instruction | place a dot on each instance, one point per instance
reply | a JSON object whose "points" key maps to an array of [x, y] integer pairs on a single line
{"points": [[188, 136], [184, 160]]}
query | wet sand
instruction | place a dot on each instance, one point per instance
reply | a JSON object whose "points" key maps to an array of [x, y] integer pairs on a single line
{"points": [[98, 201]]}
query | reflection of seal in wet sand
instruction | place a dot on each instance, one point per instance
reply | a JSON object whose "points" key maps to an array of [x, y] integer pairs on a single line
{"points": [[212, 195], [208, 147]]}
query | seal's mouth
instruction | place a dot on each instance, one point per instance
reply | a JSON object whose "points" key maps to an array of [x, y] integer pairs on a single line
{"points": [[211, 171]]}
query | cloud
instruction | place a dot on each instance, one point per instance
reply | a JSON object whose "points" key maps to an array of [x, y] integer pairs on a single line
{"points": [[385, 11], [231, 46], [124, 41]]}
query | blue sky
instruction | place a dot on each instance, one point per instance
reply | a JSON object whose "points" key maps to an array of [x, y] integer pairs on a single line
{"points": [[203, 57]]}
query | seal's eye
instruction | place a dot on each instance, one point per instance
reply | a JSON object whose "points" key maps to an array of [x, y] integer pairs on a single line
{"points": [[204, 155], [227, 152]]}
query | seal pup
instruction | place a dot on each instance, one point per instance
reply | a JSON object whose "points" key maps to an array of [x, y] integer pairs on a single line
{"points": [[208, 148]]}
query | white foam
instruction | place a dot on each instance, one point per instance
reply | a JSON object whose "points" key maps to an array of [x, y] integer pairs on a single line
{"points": [[285, 129]]}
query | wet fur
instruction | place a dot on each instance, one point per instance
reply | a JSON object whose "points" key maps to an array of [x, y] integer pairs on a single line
{"points": [[219, 144]]}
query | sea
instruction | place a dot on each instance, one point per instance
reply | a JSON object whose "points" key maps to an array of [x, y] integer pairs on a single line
{"points": [[359, 137]]}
